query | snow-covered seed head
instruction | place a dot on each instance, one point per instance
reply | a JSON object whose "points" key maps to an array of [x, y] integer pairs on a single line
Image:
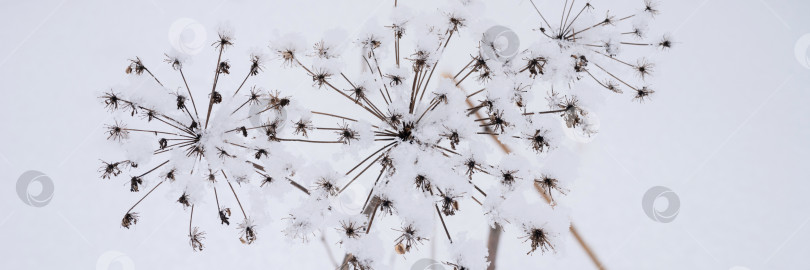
{"points": [[260, 152], [394, 118], [278, 102], [508, 178], [323, 50], [538, 141], [224, 67], [407, 239], [327, 185], [644, 68], [346, 135], [497, 122], [288, 55], [266, 180], [216, 97], [455, 22], [302, 127], [580, 63], [548, 183], [149, 115], [394, 80], [535, 66], [613, 86], [248, 232], [351, 229], [453, 137], [472, 166], [197, 134], [174, 61], [136, 66], [195, 239], [129, 219], [643, 94], [117, 132], [271, 129], [420, 134], [224, 40], [111, 100], [184, 200], [571, 112], [665, 43], [112, 169], [651, 7], [135, 183], [422, 183], [539, 238], [256, 64], [222, 153], [405, 132], [371, 42], [399, 30], [386, 206], [358, 93], [449, 202], [169, 175], [320, 77], [420, 60], [224, 216]]}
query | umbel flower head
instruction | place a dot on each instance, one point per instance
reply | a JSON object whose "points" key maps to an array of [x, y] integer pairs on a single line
{"points": [[423, 135], [198, 137], [588, 41], [414, 135]]}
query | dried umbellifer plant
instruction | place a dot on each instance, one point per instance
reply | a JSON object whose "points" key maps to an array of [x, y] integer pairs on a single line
{"points": [[422, 137], [199, 148]]}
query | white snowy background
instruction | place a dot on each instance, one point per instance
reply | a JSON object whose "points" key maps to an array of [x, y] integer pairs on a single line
{"points": [[727, 131]]}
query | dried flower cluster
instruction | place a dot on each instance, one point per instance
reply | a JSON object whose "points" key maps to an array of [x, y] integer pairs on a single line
{"points": [[423, 138], [199, 148]]}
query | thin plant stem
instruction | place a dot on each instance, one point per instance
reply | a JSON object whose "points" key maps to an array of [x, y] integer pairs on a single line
{"points": [[144, 197]]}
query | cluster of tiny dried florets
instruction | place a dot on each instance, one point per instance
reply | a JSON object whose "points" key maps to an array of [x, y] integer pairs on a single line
{"points": [[401, 116], [425, 139], [204, 149]]}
